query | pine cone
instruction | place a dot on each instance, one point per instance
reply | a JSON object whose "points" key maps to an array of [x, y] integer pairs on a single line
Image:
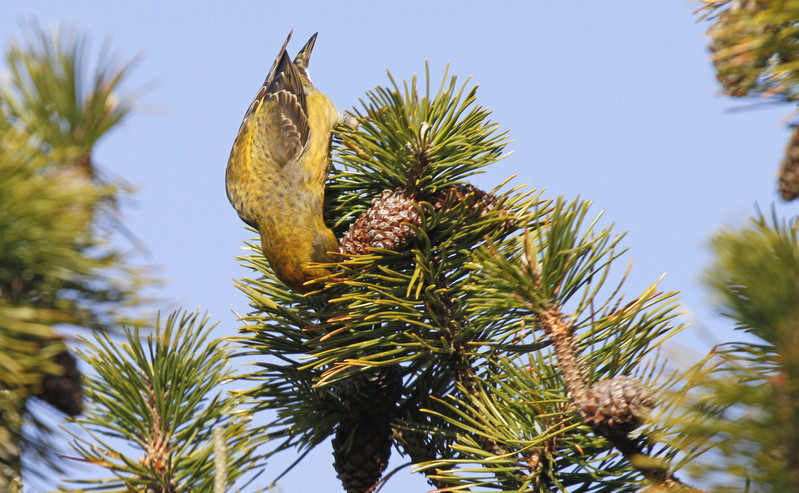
{"points": [[616, 406], [360, 454], [789, 169], [417, 445], [373, 394], [381, 226], [363, 440], [64, 392]]}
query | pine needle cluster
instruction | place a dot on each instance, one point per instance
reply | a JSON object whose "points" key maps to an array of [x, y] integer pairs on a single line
{"points": [[755, 45]]}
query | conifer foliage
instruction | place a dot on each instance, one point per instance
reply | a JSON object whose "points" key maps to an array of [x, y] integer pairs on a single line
{"points": [[741, 401], [58, 264], [161, 394], [476, 326]]}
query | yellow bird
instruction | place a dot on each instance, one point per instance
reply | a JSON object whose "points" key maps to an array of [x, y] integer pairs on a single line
{"points": [[278, 166]]}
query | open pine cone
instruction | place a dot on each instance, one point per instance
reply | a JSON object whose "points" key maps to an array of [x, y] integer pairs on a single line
{"points": [[789, 170], [381, 226]]}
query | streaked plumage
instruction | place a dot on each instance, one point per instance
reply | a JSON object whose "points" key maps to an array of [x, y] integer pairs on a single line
{"points": [[278, 166]]}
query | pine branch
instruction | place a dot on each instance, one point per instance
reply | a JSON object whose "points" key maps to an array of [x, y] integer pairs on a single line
{"points": [[538, 276], [755, 46], [437, 283], [52, 93], [160, 394]]}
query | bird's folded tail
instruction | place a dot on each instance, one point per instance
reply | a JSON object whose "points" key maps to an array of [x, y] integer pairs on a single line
{"points": [[304, 56]]}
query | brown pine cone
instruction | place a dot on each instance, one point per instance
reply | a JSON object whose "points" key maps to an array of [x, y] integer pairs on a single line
{"points": [[616, 406], [373, 394], [381, 226], [478, 202], [481, 201], [360, 453], [416, 444], [362, 445]]}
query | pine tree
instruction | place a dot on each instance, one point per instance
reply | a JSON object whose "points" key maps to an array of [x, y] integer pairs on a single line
{"points": [[160, 393], [479, 332], [485, 335], [57, 216]]}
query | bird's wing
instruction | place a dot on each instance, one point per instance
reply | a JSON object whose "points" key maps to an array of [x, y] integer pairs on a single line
{"points": [[282, 118], [277, 119], [270, 77]]}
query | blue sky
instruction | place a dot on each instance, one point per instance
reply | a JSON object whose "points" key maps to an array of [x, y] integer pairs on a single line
{"points": [[613, 101]]}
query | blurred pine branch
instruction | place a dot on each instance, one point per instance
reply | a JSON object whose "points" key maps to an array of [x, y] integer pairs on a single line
{"points": [[742, 400], [755, 51], [58, 265]]}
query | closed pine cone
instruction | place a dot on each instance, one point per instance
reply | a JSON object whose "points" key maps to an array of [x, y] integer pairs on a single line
{"points": [[616, 406], [64, 392], [362, 445]]}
